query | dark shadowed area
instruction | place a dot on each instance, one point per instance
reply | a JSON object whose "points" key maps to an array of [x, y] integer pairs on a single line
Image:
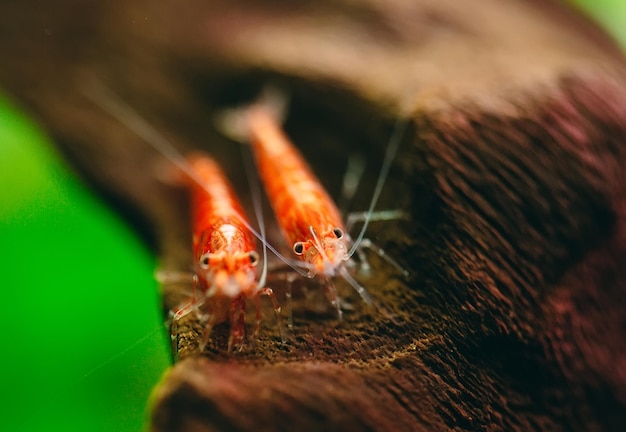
{"points": [[512, 170]]}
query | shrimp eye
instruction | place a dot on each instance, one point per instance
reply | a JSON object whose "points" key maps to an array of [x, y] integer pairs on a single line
{"points": [[338, 232], [204, 261], [298, 248], [254, 258]]}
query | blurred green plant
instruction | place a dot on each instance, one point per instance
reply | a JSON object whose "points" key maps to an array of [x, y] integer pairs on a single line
{"points": [[610, 13], [83, 341]]}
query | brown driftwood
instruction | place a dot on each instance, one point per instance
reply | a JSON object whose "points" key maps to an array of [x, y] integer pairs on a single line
{"points": [[512, 171]]}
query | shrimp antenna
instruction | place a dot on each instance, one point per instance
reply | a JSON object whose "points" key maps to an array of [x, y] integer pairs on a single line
{"points": [[106, 99], [392, 149], [255, 191], [318, 244]]}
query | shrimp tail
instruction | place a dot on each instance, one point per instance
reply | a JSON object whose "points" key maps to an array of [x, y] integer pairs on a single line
{"points": [[233, 122]]}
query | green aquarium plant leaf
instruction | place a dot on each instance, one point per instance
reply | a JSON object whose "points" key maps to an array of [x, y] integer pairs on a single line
{"points": [[83, 337]]}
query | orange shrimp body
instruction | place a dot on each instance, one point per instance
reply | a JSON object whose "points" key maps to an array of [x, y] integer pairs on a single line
{"points": [[308, 217], [224, 250]]}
